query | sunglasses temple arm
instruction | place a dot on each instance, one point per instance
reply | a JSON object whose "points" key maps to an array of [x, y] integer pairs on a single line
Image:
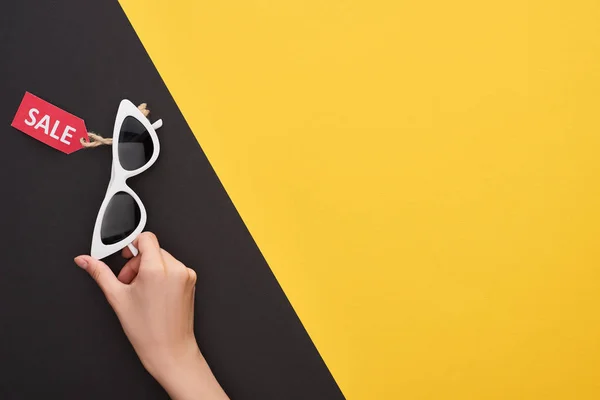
{"points": [[157, 124], [133, 249]]}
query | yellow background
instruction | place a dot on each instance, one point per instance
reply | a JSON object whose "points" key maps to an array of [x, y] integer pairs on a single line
{"points": [[422, 176]]}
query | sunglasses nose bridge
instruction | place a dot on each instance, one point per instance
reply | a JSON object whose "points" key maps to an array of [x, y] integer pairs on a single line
{"points": [[125, 187]]}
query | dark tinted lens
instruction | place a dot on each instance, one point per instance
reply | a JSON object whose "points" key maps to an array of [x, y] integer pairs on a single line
{"points": [[121, 218], [135, 144]]}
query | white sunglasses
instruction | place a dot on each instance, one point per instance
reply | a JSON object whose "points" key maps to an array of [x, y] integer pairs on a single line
{"points": [[122, 216]]}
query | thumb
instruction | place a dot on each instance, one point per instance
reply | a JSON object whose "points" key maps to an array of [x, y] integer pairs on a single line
{"points": [[101, 273]]}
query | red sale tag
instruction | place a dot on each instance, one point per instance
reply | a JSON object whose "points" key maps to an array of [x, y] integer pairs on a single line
{"points": [[49, 124]]}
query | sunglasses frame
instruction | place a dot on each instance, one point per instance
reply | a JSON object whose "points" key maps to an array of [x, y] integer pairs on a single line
{"points": [[118, 181]]}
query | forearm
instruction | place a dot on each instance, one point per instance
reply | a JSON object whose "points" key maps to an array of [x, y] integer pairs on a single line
{"points": [[190, 379]]}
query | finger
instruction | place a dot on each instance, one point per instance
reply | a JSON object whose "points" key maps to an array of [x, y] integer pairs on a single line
{"points": [[129, 270], [102, 274], [126, 253], [149, 249]]}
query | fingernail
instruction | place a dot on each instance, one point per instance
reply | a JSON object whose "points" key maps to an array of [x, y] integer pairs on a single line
{"points": [[81, 262]]}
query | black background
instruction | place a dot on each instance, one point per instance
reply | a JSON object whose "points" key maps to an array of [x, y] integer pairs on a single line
{"points": [[58, 336]]}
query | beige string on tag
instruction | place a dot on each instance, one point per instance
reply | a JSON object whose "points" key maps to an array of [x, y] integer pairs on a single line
{"points": [[97, 140]]}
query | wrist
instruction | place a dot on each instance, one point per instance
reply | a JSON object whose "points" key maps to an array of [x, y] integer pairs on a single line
{"points": [[165, 363], [187, 376]]}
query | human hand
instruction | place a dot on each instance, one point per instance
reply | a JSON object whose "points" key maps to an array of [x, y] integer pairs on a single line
{"points": [[153, 297]]}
